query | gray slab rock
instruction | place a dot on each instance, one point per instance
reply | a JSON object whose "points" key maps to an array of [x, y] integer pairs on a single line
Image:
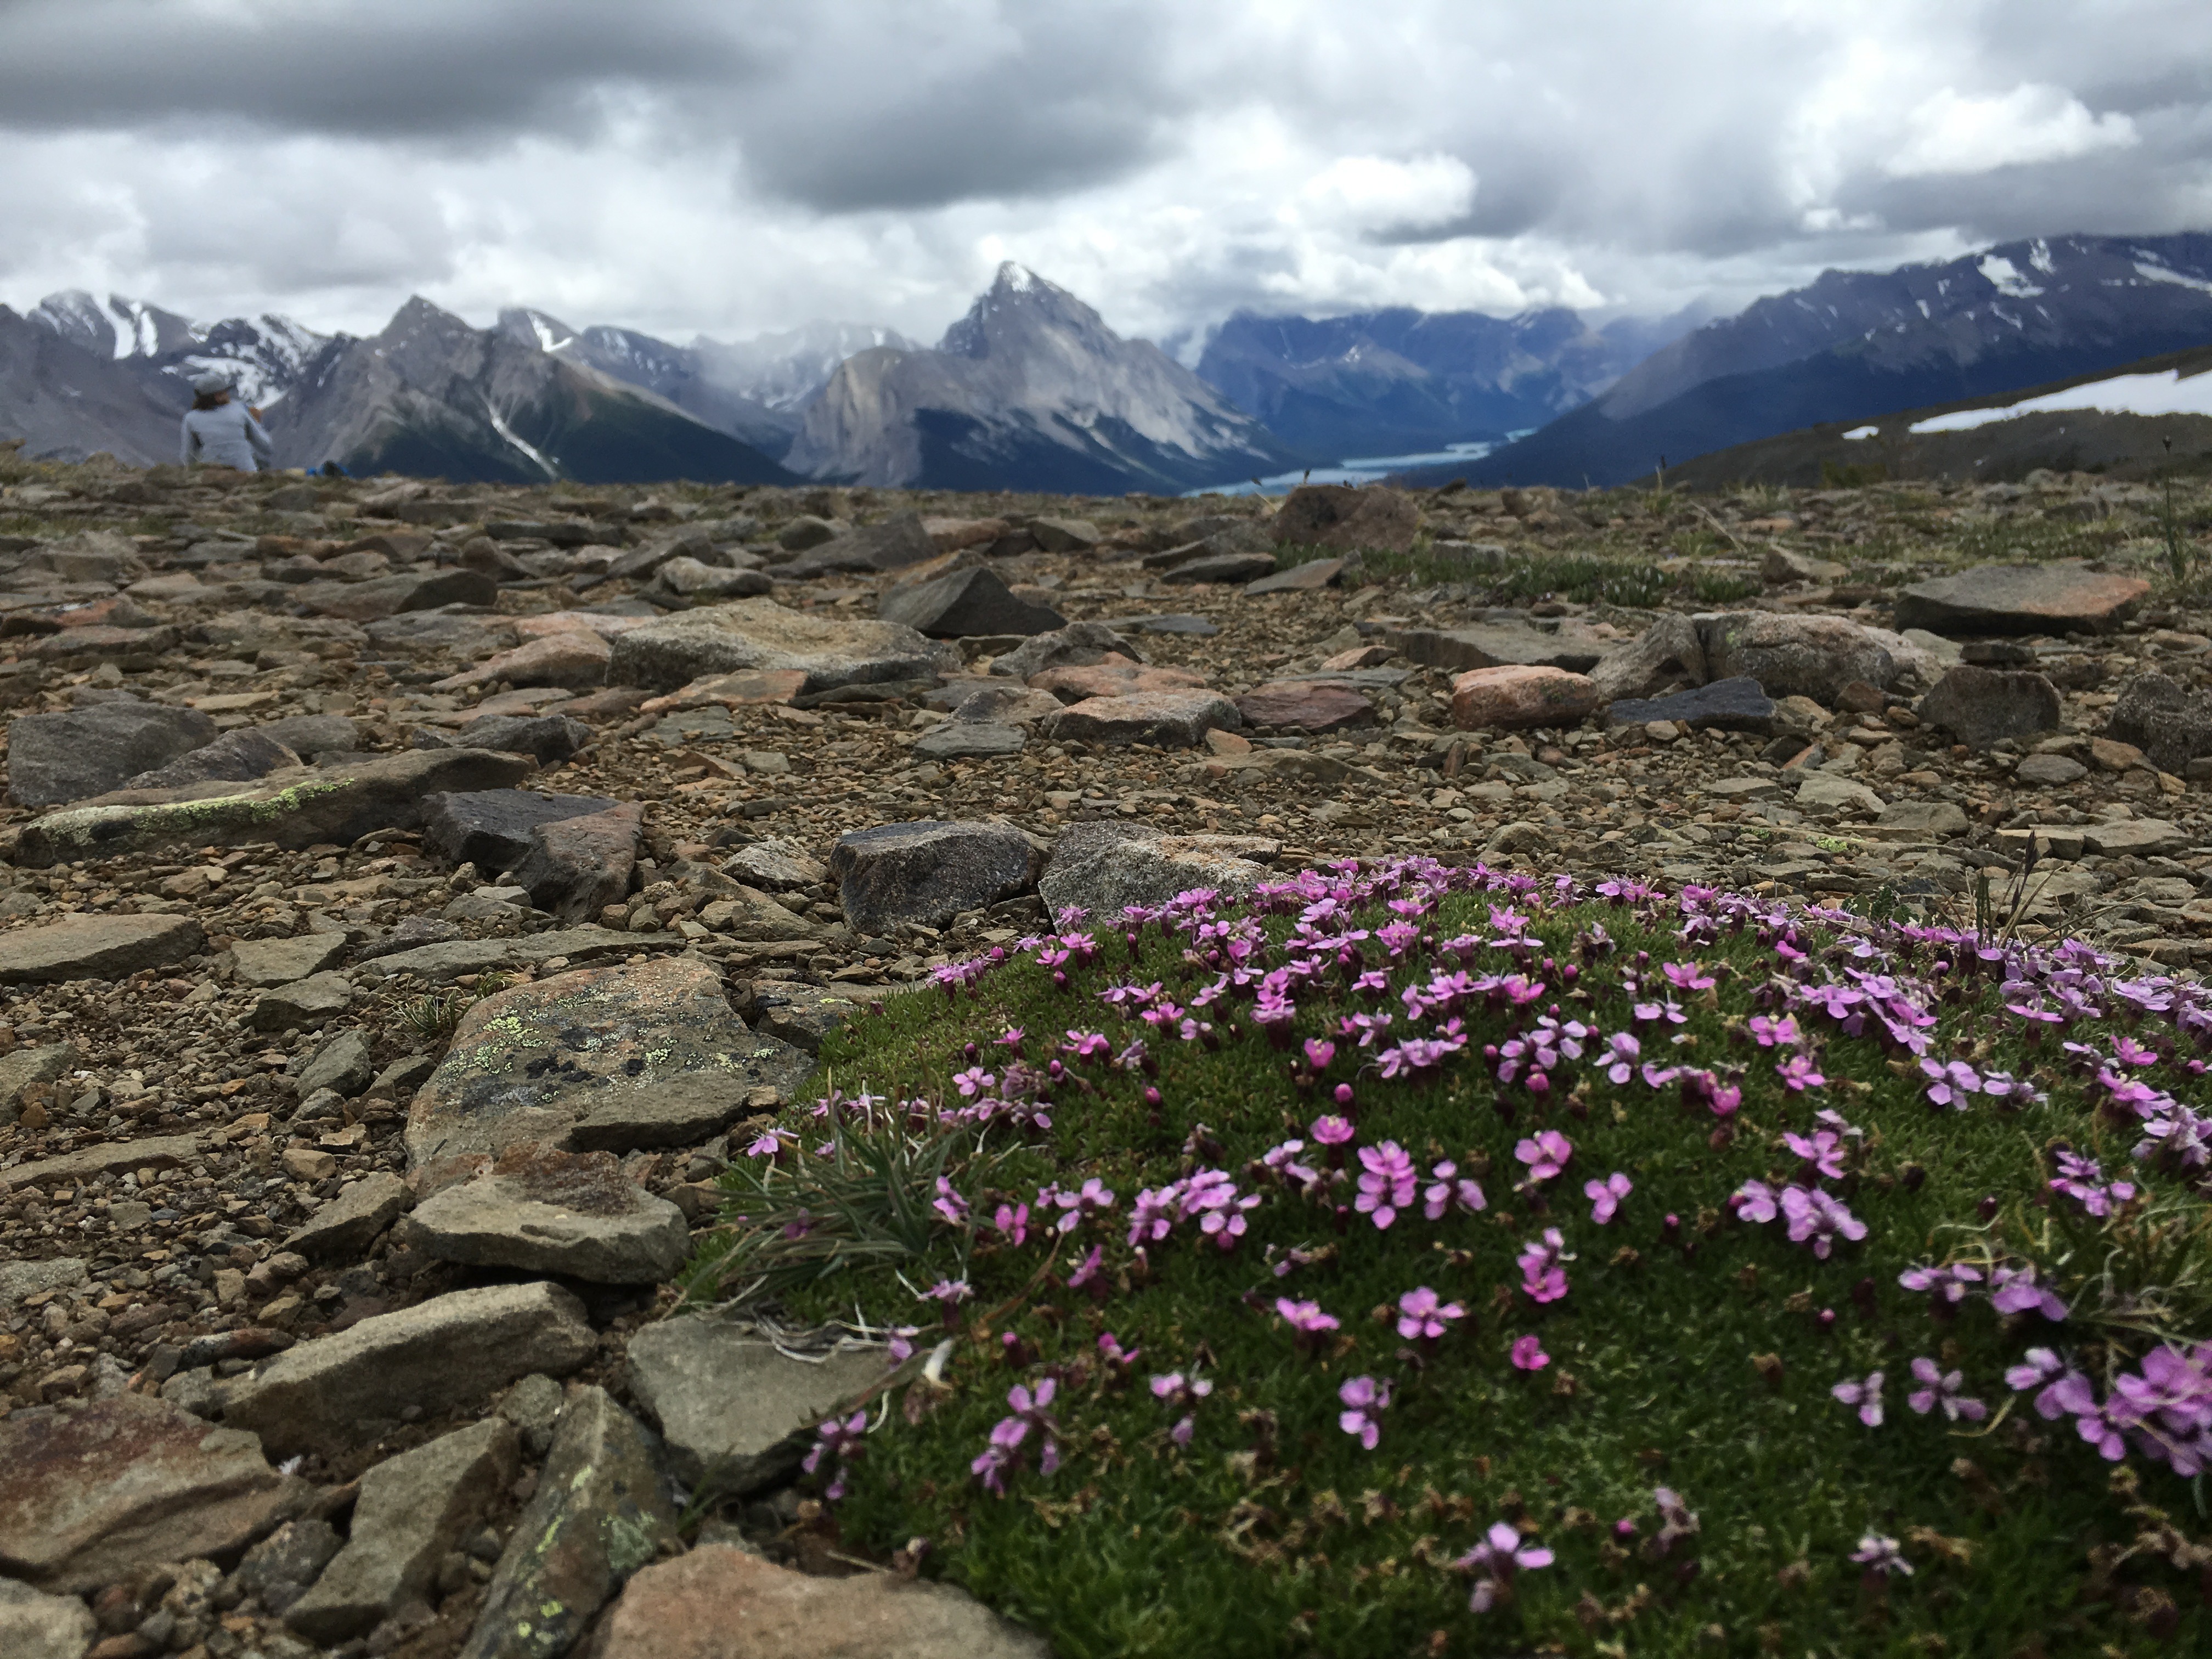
{"points": [[1078, 645], [308, 1004], [19, 1279], [776, 863], [1103, 869], [1168, 720], [1731, 705], [108, 1158], [81, 752], [236, 757], [412, 1510], [264, 963], [602, 1059], [760, 634], [600, 1514], [719, 1601], [490, 827], [278, 1571], [1981, 706], [1572, 645], [576, 867], [928, 872], [1825, 791], [343, 1065], [1931, 818], [95, 947], [2063, 597], [312, 734], [388, 596], [447, 961], [454, 1350], [574, 1215], [966, 603], [960, 739], [95, 1492], [732, 1409], [897, 543], [344, 1228], [36, 1626], [338, 804], [548, 740]]}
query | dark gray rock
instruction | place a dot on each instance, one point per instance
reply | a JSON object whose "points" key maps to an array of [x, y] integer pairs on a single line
{"points": [[1210, 567], [388, 596], [278, 1571], [2170, 723], [928, 872], [1078, 645], [601, 1512], [548, 738], [1171, 720], [2062, 597], [1729, 705], [344, 1228], [964, 604], [236, 757], [81, 752], [412, 1510], [1981, 705], [576, 867], [967, 739], [343, 1064], [490, 827], [897, 542]]}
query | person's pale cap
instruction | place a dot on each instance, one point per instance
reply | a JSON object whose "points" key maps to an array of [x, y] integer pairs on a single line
{"points": [[206, 384]]}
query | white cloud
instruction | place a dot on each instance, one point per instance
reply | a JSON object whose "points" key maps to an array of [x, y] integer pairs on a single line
{"points": [[1956, 132]]}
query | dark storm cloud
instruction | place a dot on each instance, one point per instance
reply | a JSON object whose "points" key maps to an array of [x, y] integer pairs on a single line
{"points": [[398, 69]]}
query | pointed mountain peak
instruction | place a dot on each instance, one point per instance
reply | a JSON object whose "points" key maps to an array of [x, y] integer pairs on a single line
{"points": [[1017, 302], [418, 319], [535, 328]]}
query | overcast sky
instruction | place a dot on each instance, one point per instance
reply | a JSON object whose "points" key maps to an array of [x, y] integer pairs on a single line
{"points": [[730, 168]]}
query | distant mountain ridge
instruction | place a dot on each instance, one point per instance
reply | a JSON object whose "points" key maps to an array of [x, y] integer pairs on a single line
{"points": [[1385, 382], [1030, 389], [1856, 344]]}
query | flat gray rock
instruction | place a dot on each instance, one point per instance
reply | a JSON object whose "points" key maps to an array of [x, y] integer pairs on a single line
{"points": [[966, 604], [96, 947], [453, 1349], [962, 739], [1103, 869], [1731, 705], [600, 1059], [236, 757], [760, 634], [776, 864], [262, 962], [81, 752], [928, 872], [728, 1402], [572, 1214], [1570, 646], [348, 1225], [897, 543], [490, 827], [308, 1004], [1169, 720], [2065, 596]]}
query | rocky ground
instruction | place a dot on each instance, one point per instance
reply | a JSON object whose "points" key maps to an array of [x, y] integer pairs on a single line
{"points": [[413, 892]]}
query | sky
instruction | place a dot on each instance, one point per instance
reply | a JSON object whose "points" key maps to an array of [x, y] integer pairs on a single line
{"points": [[746, 166]]}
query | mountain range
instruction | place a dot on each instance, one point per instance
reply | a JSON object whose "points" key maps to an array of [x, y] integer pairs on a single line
{"points": [[1856, 344], [1031, 390]]}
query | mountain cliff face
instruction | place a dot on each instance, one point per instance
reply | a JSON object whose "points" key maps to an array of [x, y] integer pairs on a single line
{"points": [[1856, 344], [785, 371], [1031, 390], [432, 395], [1380, 382]]}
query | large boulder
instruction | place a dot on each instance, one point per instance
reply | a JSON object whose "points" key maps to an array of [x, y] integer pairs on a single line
{"points": [[100, 1492], [1338, 515], [2062, 597], [599, 1059], [81, 752], [964, 604], [928, 872], [1814, 657], [1981, 706], [293, 808], [2170, 723], [760, 634]]}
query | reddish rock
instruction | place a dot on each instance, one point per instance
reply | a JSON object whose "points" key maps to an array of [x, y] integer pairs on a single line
{"points": [[753, 685], [575, 659], [1360, 656], [719, 1602], [1486, 699], [1314, 705], [1114, 676], [2059, 597], [95, 1494]]}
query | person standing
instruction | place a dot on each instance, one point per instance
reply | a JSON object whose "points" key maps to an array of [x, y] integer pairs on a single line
{"points": [[219, 431]]}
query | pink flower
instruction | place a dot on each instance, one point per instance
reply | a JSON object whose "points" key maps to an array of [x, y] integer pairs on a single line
{"points": [[1605, 1195], [1446, 1185], [1495, 1559], [1942, 1387], [1820, 1218], [1363, 1397], [1529, 1354], [1542, 1276], [1753, 1202], [1546, 1153], [1422, 1313], [1387, 1182], [1331, 1130], [1865, 1394], [1304, 1318]]}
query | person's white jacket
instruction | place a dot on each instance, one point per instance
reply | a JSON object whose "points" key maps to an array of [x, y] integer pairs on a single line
{"points": [[226, 435]]}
